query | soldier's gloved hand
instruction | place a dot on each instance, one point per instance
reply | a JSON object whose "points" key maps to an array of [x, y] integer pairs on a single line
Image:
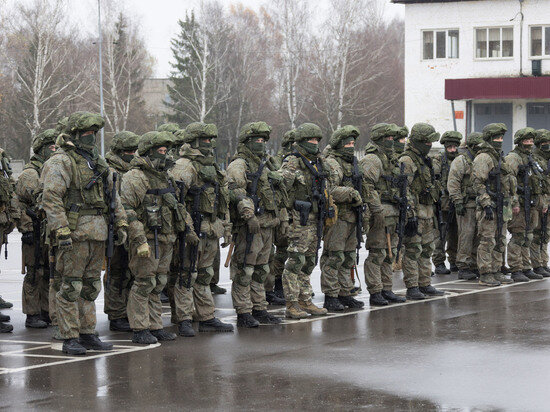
{"points": [[275, 177], [143, 250], [253, 225], [121, 236], [192, 238], [460, 209], [411, 228], [356, 199], [226, 240], [64, 241], [284, 227], [379, 222], [489, 215]]}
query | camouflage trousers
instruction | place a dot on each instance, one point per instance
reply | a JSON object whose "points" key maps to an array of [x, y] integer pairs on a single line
{"points": [[54, 286], [35, 293], [150, 276], [302, 247], [518, 255], [117, 285], [198, 295], [378, 264], [539, 246], [440, 252], [216, 266], [417, 265], [468, 240], [80, 270], [492, 246], [247, 289], [338, 259], [277, 259]]}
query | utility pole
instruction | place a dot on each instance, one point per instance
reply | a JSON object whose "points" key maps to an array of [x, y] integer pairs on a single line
{"points": [[100, 75]]}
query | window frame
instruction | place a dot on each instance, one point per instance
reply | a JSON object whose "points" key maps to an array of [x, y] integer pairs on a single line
{"points": [[487, 28], [543, 38], [434, 46]]}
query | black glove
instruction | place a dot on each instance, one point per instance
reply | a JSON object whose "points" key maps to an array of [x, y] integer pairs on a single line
{"points": [[411, 228], [27, 238], [489, 213]]}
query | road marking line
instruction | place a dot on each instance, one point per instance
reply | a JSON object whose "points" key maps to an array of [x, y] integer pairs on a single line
{"points": [[33, 355]]}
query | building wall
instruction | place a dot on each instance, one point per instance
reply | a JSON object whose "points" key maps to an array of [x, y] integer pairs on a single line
{"points": [[425, 79], [155, 92]]}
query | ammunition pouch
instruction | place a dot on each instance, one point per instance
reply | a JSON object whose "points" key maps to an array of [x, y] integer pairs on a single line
{"points": [[304, 208], [153, 216]]}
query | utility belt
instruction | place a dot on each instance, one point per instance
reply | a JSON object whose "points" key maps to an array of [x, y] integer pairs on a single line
{"points": [[75, 211]]}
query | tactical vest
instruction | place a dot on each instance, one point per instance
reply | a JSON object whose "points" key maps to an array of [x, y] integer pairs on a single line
{"points": [[353, 177], [6, 188], [423, 185], [544, 163], [467, 187], [443, 177], [504, 171], [317, 184], [531, 170], [264, 189], [208, 197], [385, 185]]}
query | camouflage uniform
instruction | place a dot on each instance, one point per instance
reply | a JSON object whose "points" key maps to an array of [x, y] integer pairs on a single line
{"points": [[340, 241], [380, 168], [304, 173], [539, 245], [525, 169], [420, 234], [36, 283], [76, 183], [117, 284], [463, 196], [442, 164], [254, 221], [206, 198], [149, 197], [484, 172]]}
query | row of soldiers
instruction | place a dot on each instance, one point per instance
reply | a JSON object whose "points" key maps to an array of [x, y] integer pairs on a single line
{"points": [[159, 216]]}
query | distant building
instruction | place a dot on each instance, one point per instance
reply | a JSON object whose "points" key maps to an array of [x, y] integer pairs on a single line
{"points": [[155, 93], [473, 62]]}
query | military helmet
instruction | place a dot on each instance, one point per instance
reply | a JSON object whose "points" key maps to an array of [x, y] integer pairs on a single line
{"points": [[168, 127], [424, 132], [307, 131], [254, 129], [45, 138], [341, 134], [288, 138], [403, 132], [494, 129], [124, 141], [382, 130], [474, 139], [61, 126], [542, 136], [153, 139], [84, 121], [198, 130], [524, 134], [451, 138]]}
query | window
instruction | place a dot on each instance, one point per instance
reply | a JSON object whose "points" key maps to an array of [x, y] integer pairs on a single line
{"points": [[540, 41], [494, 42], [443, 44]]}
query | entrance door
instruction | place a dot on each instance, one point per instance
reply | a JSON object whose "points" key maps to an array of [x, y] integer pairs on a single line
{"points": [[538, 115], [486, 113]]}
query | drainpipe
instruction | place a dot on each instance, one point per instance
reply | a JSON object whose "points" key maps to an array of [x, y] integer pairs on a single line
{"points": [[521, 37], [454, 114]]}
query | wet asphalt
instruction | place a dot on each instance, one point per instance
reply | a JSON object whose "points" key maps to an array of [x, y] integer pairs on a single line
{"points": [[474, 349]]}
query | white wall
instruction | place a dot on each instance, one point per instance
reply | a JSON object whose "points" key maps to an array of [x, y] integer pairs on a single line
{"points": [[425, 79]]}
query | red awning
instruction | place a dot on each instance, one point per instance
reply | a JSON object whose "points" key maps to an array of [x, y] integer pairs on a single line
{"points": [[498, 88]]}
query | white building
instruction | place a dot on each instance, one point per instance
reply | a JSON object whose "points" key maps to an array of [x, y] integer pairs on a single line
{"points": [[480, 56]]}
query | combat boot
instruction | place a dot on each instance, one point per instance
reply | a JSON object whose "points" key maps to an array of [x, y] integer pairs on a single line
{"points": [[392, 297], [502, 278], [294, 311], [45, 316], [505, 269], [5, 304], [532, 275], [120, 325], [5, 328], [488, 279], [274, 300], [92, 342], [333, 304], [430, 291], [415, 294], [34, 321], [356, 290], [466, 274], [376, 299], [519, 277], [73, 347], [217, 290], [278, 288], [163, 335], [453, 268], [4, 318], [246, 320], [441, 269], [214, 325], [350, 302], [144, 337], [186, 329], [164, 297], [542, 271], [310, 308], [263, 316]]}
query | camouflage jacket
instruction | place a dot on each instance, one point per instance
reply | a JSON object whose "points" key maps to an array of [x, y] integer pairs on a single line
{"points": [[441, 165], [27, 188], [525, 167], [68, 203], [9, 209], [543, 159], [459, 183]]}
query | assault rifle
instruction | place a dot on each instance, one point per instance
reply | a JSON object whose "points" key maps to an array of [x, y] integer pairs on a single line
{"points": [[36, 240], [111, 230], [401, 183], [181, 240], [252, 192], [357, 181], [544, 229], [525, 172], [196, 217]]}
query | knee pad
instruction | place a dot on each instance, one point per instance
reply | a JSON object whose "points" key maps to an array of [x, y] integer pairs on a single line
{"points": [[205, 275], [145, 286], [335, 259], [244, 276], [309, 265], [295, 262], [349, 259], [413, 251], [160, 282], [260, 273], [427, 250], [90, 288], [71, 288], [376, 256]]}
